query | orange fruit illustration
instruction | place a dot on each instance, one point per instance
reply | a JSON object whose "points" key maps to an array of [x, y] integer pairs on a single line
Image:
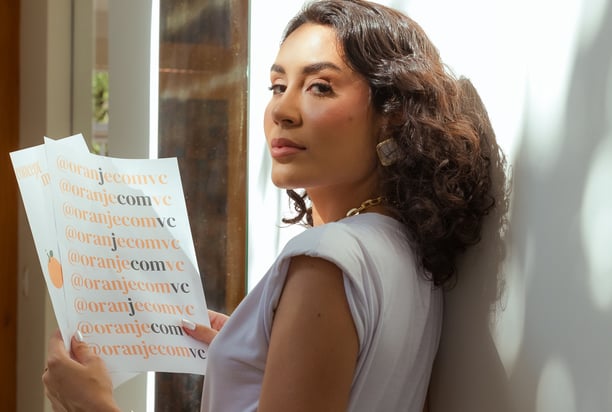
{"points": [[55, 271]]}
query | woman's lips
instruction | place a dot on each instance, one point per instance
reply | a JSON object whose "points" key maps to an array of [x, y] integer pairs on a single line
{"points": [[284, 147]]}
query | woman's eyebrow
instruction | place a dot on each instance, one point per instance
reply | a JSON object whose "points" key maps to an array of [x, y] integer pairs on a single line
{"points": [[278, 69], [317, 67], [310, 69]]}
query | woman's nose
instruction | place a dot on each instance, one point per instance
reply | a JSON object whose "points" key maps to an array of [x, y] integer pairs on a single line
{"points": [[286, 110]]}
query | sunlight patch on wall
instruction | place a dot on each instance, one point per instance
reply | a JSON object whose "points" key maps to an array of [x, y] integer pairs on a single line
{"points": [[505, 84], [550, 54], [556, 388], [508, 328], [596, 226], [596, 218]]}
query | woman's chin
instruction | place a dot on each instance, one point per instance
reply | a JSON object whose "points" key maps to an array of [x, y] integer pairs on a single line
{"points": [[282, 182]]}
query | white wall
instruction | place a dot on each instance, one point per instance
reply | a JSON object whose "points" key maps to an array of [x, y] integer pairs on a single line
{"points": [[531, 333]]}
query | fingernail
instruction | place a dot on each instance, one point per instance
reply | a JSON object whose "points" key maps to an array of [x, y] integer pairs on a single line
{"points": [[188, 324], [78, 336]]}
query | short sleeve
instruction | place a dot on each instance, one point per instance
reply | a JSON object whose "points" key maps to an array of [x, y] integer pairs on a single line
{"points": [[334, 243]]}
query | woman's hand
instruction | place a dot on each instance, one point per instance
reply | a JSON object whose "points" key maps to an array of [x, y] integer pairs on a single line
{"points": [[203, 333], [78, 381]]}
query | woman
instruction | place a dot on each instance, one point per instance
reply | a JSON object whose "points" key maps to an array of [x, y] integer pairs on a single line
{"points": [[364, 118]]}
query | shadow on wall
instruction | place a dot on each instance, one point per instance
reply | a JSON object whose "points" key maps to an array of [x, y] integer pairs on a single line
{"points": [[562, 360], [467, 360]]}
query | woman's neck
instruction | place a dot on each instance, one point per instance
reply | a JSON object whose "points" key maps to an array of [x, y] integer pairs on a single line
{"points": [[333, 205]]}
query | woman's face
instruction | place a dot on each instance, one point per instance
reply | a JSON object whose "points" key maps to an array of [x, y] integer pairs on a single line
{"points": [[319, 124]]}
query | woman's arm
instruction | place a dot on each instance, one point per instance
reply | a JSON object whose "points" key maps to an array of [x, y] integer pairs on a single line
{"points": [[314, 344]]}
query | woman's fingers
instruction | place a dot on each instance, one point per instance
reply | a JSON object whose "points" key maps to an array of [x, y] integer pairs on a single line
{"points": [[58, 360], [78, 381], [217, 320], [56, 348], [81, 352]]}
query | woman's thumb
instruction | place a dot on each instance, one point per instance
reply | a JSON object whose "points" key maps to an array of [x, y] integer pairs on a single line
{"points": [[81, 351], [199, 332]]}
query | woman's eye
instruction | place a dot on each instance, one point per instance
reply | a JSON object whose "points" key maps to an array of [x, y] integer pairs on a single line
{"points": [[277, 88], [321, 89]]}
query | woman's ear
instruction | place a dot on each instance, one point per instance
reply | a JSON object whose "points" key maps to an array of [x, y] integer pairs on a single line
{"points": [[388, 124], [382, 127]]}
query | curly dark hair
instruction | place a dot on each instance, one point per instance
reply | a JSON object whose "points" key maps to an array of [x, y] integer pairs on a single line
{"points": [[440, 187]]}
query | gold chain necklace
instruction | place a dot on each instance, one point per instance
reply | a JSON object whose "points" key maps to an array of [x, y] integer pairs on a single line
{"points": [[367, 204]]}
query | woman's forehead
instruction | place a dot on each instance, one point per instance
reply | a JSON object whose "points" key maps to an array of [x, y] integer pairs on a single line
{"points": [[313, 40], [312, 46]]}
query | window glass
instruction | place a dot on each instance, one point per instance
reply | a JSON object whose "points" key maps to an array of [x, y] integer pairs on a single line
{"points": [[202, 122]]}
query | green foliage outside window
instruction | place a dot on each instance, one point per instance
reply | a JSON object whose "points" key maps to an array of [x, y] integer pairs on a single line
{"points": [[100, 96]]}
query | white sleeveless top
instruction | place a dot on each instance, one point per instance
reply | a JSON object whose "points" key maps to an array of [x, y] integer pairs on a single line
{"points": [[397, 315]]}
